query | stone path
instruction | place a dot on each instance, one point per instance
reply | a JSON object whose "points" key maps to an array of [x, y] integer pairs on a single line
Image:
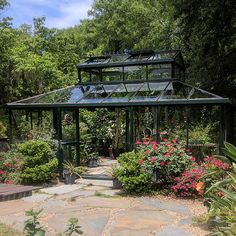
{"points": [[103, 211]]}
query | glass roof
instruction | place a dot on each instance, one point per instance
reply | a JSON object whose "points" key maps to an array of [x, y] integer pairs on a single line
{"points": [[129, 58], [122, 94]]}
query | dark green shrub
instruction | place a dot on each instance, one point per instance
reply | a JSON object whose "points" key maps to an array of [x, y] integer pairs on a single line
{"points": [[39, 162], [134, 180]]}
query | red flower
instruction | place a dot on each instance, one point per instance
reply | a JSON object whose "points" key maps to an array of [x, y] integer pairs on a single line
{"points": [[162, 163], [154, 147], [8, 165], [188, 150], [145, 143], [192, 159], [153, 159], [165, 140], [154, 142], [167, 154], [174, 141], [141, 162], [147, 152], [138, 142]]}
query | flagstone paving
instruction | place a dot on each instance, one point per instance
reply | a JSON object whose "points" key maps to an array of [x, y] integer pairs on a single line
{"points": [[103, 211]]}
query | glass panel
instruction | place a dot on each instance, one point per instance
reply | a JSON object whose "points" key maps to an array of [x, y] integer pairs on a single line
{"points": [[135, 72], [112, 74], [123, 93], [176, 91], [199, 94], [99, 93], [119, 58], [74, 94], [149, 92], [138, 57], [159, 71], [164, 55]]}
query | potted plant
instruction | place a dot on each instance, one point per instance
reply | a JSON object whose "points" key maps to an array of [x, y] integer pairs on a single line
{"points": [[93, 159], [71, 172], [114, 172]]}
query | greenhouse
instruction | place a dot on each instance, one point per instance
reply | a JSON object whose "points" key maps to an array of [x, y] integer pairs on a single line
{"points": [[146, 92]]}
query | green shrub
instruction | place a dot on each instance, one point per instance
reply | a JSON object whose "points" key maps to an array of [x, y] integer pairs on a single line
{"points": [[39, 162], [136, 184], [134, 180]]}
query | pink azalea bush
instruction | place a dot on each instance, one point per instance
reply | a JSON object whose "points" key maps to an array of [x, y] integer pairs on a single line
{"points": [[168, 159], [192, 182]]}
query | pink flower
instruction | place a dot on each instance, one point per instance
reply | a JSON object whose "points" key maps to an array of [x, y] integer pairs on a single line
{"points": [[138, 142], [162, 163], [192, 159], [154, 142], [141, 162], [163, 132], [165, 140], [154, 147], [153, 159], [147, 152], [145, 143], [174, 141], [167, 154]]}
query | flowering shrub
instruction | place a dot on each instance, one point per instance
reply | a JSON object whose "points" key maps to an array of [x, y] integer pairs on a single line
{"points": [[193, 182], [168, 159], [188, 185], [9, 165]]}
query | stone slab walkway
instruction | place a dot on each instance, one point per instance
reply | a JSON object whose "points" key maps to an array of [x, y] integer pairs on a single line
{"points": [[103, 211]]}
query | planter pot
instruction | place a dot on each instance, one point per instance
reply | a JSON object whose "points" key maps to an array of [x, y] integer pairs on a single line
{"points": [[92, 163], [69, 178], [117, 184]]}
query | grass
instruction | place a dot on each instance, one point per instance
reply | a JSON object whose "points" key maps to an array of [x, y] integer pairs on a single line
{"points": [[6, 230]]}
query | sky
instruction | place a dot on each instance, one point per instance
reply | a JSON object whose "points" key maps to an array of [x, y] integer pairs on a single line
{"points": [[58, 13]]}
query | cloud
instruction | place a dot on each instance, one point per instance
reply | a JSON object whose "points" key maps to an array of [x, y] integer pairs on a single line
{"points": [[59, 14], [70, 14]]}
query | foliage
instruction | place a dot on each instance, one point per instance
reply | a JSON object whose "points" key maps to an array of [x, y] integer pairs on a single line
{"points": [[8, 230], [221, 195], [39, 162], [32, 226], [168, 158], [71, 169], [186, 184], [10, 164], [200, 133], [206, 30], [3, 130], [73, 227], [115, 171], [134, 180]]}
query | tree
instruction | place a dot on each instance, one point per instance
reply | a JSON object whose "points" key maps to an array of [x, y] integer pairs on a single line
{"points": [[207, 30]]}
